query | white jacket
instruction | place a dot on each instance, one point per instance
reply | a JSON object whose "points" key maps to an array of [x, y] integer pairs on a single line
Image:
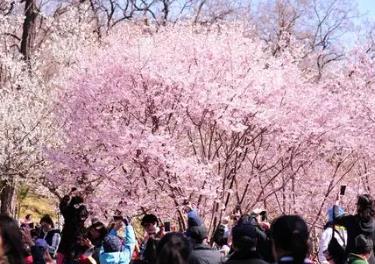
{"points": [[341, 236]]}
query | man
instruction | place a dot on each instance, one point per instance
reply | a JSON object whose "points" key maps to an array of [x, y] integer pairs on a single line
{"points": [[75, 214], [50, 235], [361, 223], [245, 238], [258, 218], [362, 250], [202, 253], [152, 237]]}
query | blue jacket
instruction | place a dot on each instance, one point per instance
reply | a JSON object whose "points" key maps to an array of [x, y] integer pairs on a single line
{"points": [[121, 257]]}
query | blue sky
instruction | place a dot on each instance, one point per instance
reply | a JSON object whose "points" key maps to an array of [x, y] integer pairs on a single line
{"points": [[367, 7]]}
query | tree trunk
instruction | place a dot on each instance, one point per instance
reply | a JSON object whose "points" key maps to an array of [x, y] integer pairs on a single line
{"points": [[7, 197], [28, 30]]}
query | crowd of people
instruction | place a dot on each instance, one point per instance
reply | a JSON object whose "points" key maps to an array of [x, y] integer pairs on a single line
{"points": [[241, 239]]}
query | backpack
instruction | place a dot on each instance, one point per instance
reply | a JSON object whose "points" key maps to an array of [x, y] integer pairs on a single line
{"points": [[335, 249]]}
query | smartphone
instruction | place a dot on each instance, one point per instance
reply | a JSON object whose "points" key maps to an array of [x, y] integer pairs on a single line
{"points": [[167, 226], [342, 189]]}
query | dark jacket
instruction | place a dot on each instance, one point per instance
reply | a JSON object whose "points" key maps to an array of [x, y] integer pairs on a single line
{"points": [[355, 226], [249, 257], [290, 260], [74, 227], [203, 254]]}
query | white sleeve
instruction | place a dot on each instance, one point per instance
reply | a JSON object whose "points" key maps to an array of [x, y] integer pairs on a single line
{"points": [[323, 244], [55, 244]]}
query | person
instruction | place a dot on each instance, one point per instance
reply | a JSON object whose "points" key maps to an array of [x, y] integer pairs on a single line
{"points": [[221, 237], [333, 240], [28, 221], [12, 248], [202, 253], [258, 218], [152, 237], [360, 223], [363, 248], [244, 243], [173, 248], [96, 233], [289, 234], [49, 234], [115, 250], [261, 217], [75, 214]]}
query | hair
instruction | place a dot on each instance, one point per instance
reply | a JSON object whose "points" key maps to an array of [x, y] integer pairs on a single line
{"points": [[365, 207], [149, 219], [173, 248], [243, 240], [100, 227], [244, 243], [76, 200], [11, 239], [290, 233], [47, 219]]}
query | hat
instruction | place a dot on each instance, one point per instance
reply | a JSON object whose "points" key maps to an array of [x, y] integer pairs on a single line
{"points": [[194, 219], [258, 211], [244, 229], [335, 212], [41, 243], [112, 244], [362, 244], [198, 233]]}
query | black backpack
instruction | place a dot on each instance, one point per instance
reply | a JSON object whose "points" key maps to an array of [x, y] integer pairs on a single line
{"points": [[335, 250]]}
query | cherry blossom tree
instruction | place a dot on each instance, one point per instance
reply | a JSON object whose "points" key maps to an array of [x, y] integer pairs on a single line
{"points": [[28, 63], [214, 117]]}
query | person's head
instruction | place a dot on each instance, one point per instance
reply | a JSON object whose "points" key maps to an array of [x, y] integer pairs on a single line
{"points": [[365, 207], [335, 212], [11, 240], [220, 236], [173, 248], [290, 236], [244, 234], [112, 244], [197, 233], [80, 209], [46, 223], [97, 231], [363, 246], [150, 223]]}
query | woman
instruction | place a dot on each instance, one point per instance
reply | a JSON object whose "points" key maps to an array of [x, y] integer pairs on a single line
{"points": [[11, 244], [173, 248], [96, 234], [290, 240]]}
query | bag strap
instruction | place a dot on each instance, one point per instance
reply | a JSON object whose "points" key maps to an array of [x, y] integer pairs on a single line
{"points": [[334, 230]]}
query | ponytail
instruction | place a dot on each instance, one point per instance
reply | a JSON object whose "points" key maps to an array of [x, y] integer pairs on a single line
{"points": [[299, 249]]}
